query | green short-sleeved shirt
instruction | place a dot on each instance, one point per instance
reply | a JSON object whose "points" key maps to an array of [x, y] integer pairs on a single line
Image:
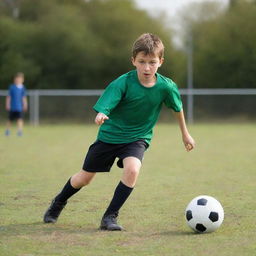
{"points": [[133, 109]]}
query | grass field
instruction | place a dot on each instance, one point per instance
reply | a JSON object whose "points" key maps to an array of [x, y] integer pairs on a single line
{"points": [[34, 168]]}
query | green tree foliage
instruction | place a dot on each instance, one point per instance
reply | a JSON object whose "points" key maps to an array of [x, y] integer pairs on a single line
{"points": [[15, 51], [233, 3], [225, 49], [74, 43], [87, 43]]}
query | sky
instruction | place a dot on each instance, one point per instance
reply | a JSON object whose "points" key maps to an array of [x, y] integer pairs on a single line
{"points": [[171, 7]]}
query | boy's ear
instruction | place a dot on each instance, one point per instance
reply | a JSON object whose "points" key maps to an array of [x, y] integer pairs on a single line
{"points": [[161, 62], [132, 60]]}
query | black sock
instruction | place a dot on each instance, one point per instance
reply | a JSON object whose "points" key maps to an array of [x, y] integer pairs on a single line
{"points": [[122, 192], [66, 192]]}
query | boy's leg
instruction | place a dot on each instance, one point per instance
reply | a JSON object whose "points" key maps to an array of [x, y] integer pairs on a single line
{"points": [[8, 127], [20, 125], [8, 123], [73, 185], [132, 167], [82, 179]]}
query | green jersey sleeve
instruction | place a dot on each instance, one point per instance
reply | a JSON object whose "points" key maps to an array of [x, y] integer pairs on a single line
{"points": [[173, 99], [110, 97]]}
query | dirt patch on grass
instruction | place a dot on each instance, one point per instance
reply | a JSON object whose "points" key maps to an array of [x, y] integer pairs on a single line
{"points": [[134, 240], [60, 237]]}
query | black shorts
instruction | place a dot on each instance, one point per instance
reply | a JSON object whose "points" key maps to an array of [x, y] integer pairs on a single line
{"points": [[14, 115], [101, 156]]}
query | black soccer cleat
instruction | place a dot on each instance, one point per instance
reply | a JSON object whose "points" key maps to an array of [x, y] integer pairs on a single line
{"points": [[53, 212], [109, 223]]}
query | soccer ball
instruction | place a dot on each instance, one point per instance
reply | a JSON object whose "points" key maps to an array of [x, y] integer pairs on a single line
{"points": [[204, 214]]}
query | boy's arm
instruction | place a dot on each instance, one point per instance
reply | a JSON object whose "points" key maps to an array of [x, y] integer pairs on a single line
{"points": [[25, 103], [108, 101], [8, 103], [187, 139]]}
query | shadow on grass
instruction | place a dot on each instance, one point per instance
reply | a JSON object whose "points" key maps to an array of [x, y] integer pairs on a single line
{"points": [[39, 227], [177, 233], [36, 228]]}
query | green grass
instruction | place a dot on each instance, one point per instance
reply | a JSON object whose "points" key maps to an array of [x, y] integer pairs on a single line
{"points": [[35, 167]]}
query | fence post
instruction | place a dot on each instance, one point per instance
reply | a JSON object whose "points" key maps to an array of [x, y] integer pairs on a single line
{"points": [[190, 106], [31, 107], [34, 107], [190, 96]]}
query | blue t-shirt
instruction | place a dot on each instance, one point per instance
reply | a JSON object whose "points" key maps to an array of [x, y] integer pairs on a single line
{"points": [[16, 93]]}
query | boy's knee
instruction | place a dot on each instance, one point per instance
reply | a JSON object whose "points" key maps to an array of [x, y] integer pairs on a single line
{"points": [[86, 182], [132, 171], [82, 182], [82, 179], [130, 176]]}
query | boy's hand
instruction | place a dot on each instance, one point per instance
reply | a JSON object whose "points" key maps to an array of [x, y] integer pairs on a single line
{"points": [[100, 118], [25, 104], [25, 108], [8, 103], [188, 142]]}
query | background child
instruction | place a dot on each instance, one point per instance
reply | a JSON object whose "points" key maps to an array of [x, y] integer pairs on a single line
{"points": [[16, 103], [127, 112]]}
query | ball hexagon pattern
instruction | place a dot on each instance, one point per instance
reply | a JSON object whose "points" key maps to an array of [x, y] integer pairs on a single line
{"points": [[204, 214]]}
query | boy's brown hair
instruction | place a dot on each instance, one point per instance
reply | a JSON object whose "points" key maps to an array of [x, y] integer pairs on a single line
{"points": [[19, 74], [150, 44]]}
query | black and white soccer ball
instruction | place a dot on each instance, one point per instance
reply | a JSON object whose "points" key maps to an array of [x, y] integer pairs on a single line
{"points": [[204, 214]]}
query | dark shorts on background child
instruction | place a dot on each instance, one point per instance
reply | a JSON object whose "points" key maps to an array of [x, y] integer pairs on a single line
{"points": [[14, 115], [101, 156]]}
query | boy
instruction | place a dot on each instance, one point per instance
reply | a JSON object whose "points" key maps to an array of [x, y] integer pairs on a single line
{"points": [[16, 103], [127, 113]]}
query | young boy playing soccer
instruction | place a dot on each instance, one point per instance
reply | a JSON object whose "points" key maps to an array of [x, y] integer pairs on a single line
{"points": [[127, 112], [16, 103]]}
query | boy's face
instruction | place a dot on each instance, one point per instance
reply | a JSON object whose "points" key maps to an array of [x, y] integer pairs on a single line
{"points": [[19, 80], [147, 66]]}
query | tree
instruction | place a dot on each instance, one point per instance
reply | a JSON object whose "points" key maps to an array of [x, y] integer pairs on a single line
{"points": [[14, 53], [189, 22], [74, 43], [224, 46], [233, 3], [13, 6], [225, 50]]}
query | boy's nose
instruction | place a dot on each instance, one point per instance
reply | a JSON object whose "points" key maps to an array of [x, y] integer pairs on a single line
{"points": [[147, 67]]}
